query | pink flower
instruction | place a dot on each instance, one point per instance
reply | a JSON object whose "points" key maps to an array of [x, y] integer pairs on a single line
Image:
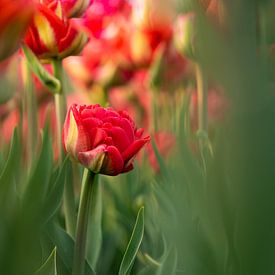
{"points": [[101, 139]]}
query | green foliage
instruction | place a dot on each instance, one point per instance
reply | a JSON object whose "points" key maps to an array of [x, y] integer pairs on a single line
{"points": [[133, 245], [49, 267], [65, 244]]}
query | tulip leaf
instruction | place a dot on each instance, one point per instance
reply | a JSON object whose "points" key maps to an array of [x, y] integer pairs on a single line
{"points": [[48, 80], [8, 174], [161, 162], [65, 248], [54, 197], [35, 192], [95, 224], [156, 71], [49, 267], [133, 245]]}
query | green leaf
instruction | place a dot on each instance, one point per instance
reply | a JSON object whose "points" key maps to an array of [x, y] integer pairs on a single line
{"points": [[156, 71], [133, 245], [95, 224], [54, 197], [49, 267], [49, 81], [65, 248], [169, 265], [8, 174], [161, 162], [35, 192]]}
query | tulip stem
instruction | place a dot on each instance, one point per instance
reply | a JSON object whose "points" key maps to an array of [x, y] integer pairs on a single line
{"points": [[60, 109], [202, 93], [202, 99], [82, 222], [31, 112]]}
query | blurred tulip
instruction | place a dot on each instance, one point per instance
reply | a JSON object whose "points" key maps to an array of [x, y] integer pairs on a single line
{"points": [[14, 18], [152, 14], [51, 34], [163, 76], [184, 35], [101, 139], [106, 58], [103, 13], [134, 98], [152, 26], [71, 8]]}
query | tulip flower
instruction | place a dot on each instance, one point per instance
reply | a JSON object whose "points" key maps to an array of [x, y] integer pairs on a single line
{"points": [[72, 8], [152, 14], [51, 34], [106, 58], [152, 22], [101, 139], [14, 19]]}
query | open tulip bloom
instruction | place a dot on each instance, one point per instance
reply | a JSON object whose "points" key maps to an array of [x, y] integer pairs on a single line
{"points": [[101, 139], [51, 33]]}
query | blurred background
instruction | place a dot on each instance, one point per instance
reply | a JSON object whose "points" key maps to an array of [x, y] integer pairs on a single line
{"points": [[198, 76]]}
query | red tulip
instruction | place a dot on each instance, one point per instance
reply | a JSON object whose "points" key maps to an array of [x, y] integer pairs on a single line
{"points": [[14, 18], [152, 22], [101, 139], [51, 34], [72, 8], [152, 14]]}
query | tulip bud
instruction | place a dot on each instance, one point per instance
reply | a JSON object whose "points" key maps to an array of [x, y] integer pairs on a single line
{"points": [[101, 139], [184, 35], [14, 18], [51, 34]]}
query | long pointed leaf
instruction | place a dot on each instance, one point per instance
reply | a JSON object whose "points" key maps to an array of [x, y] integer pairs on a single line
{"points": [[54, 198], [133, 245], [7, 177], [65, 248], [49, 267]]}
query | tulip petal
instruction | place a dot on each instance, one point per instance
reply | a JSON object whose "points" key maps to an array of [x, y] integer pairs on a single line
{"points": [[113, 162], [119, 137], [74, 135], [97, 136], [134, 148], [93, 159]]}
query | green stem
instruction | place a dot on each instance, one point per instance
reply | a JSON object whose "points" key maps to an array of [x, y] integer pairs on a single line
{"points": [[155, 113], [82, 222], [202, 90], [60, 109], [31, 111]]}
